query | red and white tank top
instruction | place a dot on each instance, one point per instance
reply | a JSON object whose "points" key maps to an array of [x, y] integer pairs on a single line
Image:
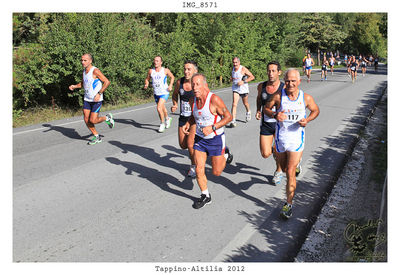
{"points": [[204, 117]]}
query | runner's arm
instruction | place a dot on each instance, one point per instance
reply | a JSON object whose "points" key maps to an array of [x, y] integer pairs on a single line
{"points": [[274, 101], [313, 107], [175, 96], [217, 106], [76, 86], [258, 102], [172, 79], [103, 79], [249, 74], [147, 80]]}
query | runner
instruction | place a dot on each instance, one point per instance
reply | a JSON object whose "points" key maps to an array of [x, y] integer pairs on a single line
{"points": [[331, 63], [364, 62], [267, 127], [92, 82], [324, 68], [210, 116], [304, 64], [183, 90], [309, 62], [353, 67], [240, 87], [348, 63], [370, 60], [376, 61], [161, 89], [291, 104]]}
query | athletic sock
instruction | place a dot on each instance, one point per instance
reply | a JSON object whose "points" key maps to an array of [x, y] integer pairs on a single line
{"points": [[205, 192]]}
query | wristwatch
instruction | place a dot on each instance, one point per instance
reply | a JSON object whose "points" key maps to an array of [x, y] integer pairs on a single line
{"points": [[214, 128]]}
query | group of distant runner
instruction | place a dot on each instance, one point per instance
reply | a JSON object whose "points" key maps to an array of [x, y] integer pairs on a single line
{"points": [[351, 62], [203, 115]]}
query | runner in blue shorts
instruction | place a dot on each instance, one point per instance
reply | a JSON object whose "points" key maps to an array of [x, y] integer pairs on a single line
{"points": [[210, 115], [291, 116], [309, 62], [92, 82], [158, 76]]}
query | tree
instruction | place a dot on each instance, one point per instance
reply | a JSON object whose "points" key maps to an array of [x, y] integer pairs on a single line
{"points": [[318, 32], [367, 36]]}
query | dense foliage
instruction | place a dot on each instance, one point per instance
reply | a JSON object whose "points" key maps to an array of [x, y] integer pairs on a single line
{"points": [[47, 47]]}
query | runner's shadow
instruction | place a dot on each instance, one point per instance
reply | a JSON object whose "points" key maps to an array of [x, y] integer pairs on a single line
{"points": [[68, 132], [166, 161], [137, 124], [233, 168], [156, 177]]}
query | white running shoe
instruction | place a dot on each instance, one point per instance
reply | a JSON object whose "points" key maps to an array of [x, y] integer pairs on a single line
{"points": [[192, 171], [248, 116], [277, 179], [162, 128], [168, 122]]}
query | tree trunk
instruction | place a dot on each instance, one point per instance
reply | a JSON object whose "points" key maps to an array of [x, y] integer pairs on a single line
{"points": [[319, 57]]}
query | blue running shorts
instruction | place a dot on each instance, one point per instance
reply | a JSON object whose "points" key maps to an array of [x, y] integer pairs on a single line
{"points": [[94, 107], [213, 146]]}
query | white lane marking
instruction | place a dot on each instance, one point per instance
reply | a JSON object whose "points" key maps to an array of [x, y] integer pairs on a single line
{"points": [[80, 121]]}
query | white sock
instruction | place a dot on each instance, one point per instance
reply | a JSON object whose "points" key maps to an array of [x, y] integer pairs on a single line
{"points": [[205, 192]]}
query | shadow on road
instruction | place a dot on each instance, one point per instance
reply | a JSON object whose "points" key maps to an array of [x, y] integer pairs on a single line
{"points": [[68, 132], [136, 124]]}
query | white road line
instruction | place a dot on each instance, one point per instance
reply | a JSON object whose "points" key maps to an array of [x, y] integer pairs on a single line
{"points": [[80, 121]]}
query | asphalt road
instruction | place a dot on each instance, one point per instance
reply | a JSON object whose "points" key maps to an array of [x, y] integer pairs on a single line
{"points": [[128, 199]]}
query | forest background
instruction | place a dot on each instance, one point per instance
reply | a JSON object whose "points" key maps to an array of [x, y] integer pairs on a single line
{"points": [[47, 48]]}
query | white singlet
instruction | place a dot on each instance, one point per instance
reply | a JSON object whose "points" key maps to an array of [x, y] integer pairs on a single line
{"points": [[308, 62], [159, 82], [91, 85], [204, 117], [236, 78], [290, 136]]}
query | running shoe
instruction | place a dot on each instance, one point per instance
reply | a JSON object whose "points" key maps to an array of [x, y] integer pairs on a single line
{"points": [[286, 211], [109, 120], [277, 179], [228, 156], [248, 116], [95, 140], [192, 171], [202, 201], [233, 124], [168, 122], [298, 169], [162, 128]]}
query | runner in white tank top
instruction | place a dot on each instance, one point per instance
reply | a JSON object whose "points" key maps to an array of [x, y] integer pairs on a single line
{"points": [[210, 116], [91, 85], [308, 63], [289, 134], [92, 82], [158, 75], [204, 118], [240, 76], [159, 82], [291, 104]]}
